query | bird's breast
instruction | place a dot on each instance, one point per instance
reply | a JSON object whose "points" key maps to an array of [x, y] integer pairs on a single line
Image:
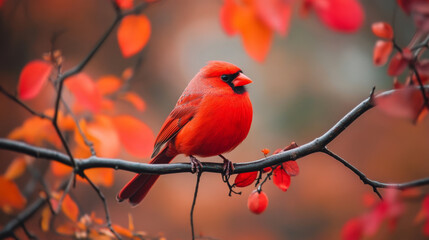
{"points": [[219, 125]]}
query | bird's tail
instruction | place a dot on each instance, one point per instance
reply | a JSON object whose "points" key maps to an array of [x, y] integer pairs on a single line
{"points": [[139, 186]]}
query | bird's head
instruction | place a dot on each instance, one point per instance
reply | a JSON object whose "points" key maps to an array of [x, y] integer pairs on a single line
{"points": [[224, 74]]}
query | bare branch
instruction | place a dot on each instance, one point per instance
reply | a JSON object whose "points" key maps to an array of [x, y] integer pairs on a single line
{"points": [[193, 203], [106, 209], [22, 104]]}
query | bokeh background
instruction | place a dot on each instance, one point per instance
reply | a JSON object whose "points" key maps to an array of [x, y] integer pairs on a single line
{"points": [[310, 79]]}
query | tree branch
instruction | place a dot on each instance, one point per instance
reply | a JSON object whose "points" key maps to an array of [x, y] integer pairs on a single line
{"points": [[317, 145]]}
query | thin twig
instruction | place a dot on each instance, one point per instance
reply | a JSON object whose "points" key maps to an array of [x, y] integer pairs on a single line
{"points": [[104, 201], [421, 87], [36, 174], [362, 176], [28, 233], [9, 228], [25, 106], [66, 191], [193, 203], [79, 129]]}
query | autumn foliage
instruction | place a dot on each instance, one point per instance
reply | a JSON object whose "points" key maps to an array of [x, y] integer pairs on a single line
{"points": [[88, 117]]}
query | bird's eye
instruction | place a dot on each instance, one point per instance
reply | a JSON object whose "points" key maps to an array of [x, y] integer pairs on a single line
{"points": [[225, 78]]}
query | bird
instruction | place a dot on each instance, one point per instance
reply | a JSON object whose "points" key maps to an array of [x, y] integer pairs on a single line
{"points": [[212, 117]]}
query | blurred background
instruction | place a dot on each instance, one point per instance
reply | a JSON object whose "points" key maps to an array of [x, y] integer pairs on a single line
{"points": [[309, 80]]}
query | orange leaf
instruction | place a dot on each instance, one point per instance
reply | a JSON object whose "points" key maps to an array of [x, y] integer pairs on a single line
{"points": [[16, 168], [382, 50], [265, 151], [130, 222], [133, 34], [59, 169], [100, 176], [135, 100], [103, 134], [406, 102], [256, 36], [32, 78], [281, 179], [108, 84], [127, 73], [66, 229], [245, 179], [136, 137], [382, 29], [45, 221], [69, 208], [10, 195], [35, 130], [243, 19], [257, 202], [85, 91], [122, 231]]}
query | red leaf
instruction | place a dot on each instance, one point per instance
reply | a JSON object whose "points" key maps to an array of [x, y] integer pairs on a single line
{"points": [[10, 195], [352, 230], [426, 228], [382, 50], [85, 91], [257, 202], [281, 179], [245, 179], [340, 15], [423, 70], [125, 4], [292, 145], [425, 205], [275, 13], [369, 199], [399, 62], [406, 102], [382, 29], [32, 78], [420, 14], [405, 5], [291, 168], [136, 137], [133, 34]]}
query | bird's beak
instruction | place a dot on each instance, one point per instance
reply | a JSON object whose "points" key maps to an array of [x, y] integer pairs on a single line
{"points": [[241, 80]]}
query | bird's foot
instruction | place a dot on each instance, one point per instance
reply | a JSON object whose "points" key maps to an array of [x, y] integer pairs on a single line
{"points": [[228, 168], [196, 165]]}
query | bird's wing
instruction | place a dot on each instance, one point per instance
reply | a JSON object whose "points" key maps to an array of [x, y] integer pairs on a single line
{"points": [[184, 111]]}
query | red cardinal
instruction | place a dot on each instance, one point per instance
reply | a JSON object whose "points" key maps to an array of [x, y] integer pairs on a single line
{"points": [[212, 117]]}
